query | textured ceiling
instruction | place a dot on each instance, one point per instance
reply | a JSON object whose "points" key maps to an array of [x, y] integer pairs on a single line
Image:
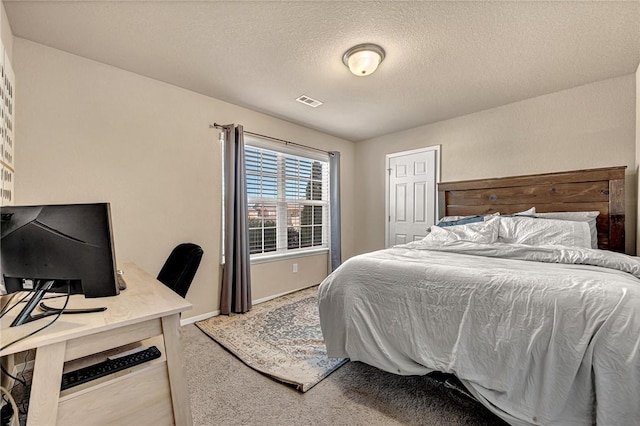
{"points": [[444, 59]]}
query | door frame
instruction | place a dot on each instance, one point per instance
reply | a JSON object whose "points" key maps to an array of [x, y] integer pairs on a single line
{"points": [[387, 175]]}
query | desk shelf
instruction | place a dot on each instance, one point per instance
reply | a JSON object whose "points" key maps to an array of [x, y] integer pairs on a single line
{"points": [[102, 356], [141, 396]]}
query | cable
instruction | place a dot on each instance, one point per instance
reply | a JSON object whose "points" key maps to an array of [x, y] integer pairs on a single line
{"points": [[14, 407], [6, 311], [24, 383], [4, 308], [23, 406], [14, 412], [46, 325]]}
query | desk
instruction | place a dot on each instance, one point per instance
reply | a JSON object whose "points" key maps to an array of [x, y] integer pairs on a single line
{"points": [[152, 393]]}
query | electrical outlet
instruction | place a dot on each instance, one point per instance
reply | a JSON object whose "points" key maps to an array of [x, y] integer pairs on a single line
{"points": [[295, 267]]}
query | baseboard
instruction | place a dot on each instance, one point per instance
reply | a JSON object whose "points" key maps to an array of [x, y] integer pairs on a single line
{"points": [[21, 367], [275, 296], [191, 320]]}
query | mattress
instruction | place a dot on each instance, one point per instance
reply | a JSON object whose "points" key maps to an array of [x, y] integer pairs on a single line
{"points": [[540, 335]]}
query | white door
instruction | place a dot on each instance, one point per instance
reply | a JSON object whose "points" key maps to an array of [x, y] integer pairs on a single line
{"points": [[411, 194]]}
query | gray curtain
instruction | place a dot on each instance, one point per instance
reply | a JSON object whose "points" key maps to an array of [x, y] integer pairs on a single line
{"points": [[236, 275], [335, 251]]}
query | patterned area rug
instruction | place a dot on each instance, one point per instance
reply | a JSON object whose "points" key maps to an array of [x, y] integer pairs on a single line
{"points": [[280, 338]]}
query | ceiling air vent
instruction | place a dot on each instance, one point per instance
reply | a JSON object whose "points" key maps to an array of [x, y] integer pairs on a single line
{"points": [[308, 101]]}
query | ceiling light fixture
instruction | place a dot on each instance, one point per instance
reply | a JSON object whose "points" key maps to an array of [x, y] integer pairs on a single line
{"points": [[363, 59]]}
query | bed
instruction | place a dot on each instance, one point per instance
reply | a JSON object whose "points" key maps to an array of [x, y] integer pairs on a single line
{"points": [[540, 320]]}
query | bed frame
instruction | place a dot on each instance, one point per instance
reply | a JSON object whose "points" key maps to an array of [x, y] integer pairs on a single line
{"points": [[579, 190]]}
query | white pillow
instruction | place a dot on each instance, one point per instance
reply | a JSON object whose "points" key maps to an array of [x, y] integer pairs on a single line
{"points": [[589, 217], [535, 232], [530, 212], [454, 218], [479, 232]]}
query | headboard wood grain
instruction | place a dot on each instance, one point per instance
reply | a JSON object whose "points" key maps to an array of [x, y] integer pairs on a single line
{"points": [[579, 190]]}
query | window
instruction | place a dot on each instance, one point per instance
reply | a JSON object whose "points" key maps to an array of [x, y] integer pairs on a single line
{"points": [[288, 202]]}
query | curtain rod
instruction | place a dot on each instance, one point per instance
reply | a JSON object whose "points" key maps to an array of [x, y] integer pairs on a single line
{"points": [[220, 126]]}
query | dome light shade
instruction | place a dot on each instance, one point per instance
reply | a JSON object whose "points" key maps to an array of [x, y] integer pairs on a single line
{"points": [[363, 59]]}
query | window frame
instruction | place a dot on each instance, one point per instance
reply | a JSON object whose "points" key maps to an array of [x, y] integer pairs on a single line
{"points": [[282, 150]]}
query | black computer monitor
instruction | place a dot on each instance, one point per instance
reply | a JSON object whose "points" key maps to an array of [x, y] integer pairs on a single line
{"points": [[57, 248]]}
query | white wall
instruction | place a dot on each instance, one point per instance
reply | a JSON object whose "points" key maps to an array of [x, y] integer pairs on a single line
{"points": [[579, 128], [6, 34], [89, 132]]}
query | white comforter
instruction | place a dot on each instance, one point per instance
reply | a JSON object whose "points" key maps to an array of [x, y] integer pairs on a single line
{"points": [[538, 342]]}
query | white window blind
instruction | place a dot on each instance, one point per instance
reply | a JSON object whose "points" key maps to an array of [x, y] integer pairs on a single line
{"points": [[288, 201]]}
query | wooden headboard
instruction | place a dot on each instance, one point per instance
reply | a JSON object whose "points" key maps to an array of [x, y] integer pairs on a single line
{"points": [[579, 190]]}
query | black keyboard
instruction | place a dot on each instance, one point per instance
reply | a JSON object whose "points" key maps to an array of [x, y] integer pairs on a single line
{"points": [[92, 372]]}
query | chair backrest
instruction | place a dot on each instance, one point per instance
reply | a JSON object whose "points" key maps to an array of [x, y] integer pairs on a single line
{"points": [[180, 267]]}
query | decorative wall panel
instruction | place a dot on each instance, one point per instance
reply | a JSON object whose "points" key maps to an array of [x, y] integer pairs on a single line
{"points": [[7, 129]]}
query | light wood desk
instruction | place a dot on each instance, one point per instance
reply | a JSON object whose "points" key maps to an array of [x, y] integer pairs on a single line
{"points": [[153, 393]]}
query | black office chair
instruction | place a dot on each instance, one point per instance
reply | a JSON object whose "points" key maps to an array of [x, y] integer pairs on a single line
{"points": [[180, 268]]}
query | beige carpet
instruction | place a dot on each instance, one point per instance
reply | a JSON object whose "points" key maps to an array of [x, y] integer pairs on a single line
{"points": [[225, 392], [280, 338]]}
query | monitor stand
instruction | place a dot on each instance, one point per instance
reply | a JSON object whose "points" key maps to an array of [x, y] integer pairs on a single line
{"points": [[46, 308], [25, 316], [41, 288]]}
